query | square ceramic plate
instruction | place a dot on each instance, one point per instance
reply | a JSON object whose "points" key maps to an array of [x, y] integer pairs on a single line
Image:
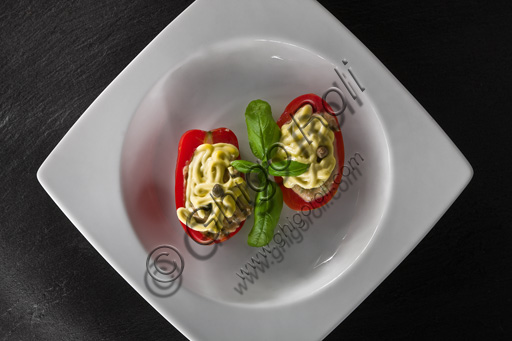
{"points": [[112, 174]]}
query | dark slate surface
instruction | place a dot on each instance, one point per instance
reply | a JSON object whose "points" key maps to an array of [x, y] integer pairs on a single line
{"points": [[56, 57]]}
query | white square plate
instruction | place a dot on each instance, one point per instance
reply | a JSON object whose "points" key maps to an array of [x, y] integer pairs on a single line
{"points": [[113, 173]]}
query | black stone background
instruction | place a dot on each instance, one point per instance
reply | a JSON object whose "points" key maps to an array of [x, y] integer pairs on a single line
{"points": [[57, 56]]}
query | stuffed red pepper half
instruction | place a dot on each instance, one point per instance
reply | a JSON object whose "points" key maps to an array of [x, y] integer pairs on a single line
{"points": [[310, 133], [212, 200]]}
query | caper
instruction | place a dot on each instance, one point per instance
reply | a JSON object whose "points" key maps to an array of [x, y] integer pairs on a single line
{"points": [[322, 152], [217, 191]]}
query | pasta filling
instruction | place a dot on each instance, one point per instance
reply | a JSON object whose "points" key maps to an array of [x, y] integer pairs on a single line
{"points": [[308, 138], [217, 200]]}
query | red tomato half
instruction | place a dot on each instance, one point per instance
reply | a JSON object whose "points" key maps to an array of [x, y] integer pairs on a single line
{"points": [[292, 199], [187, 146]]}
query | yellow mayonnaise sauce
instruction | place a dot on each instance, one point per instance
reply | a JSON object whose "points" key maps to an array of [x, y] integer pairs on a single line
{"points": [[318, 132], [207, 168]]}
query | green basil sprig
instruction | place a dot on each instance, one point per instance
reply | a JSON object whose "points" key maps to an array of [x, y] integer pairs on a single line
{"points": [[267, 211], [262, 129], [287, 168], [245, 166], [264, 134]]}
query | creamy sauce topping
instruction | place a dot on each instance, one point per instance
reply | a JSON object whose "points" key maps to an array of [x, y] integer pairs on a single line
{"points": [[318, 132], [209, 166]]}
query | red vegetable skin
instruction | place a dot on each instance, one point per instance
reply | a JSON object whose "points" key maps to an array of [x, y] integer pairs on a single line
{"points": [[186, 148], [292, 199]]}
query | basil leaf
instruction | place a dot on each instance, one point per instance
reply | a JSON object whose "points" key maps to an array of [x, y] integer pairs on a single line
{"points": [[287, 168], [267, 211], [262, 129], [246, 166]]}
